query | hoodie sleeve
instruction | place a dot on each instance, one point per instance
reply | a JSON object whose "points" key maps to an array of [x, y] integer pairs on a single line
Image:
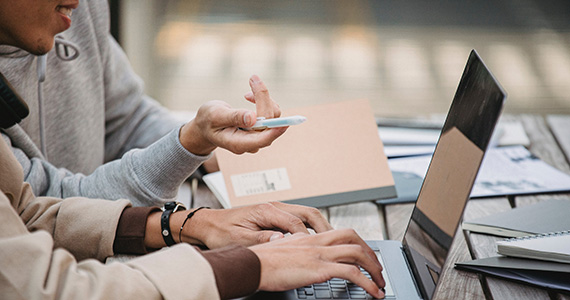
{"points": [[148, 176], [133, 120]]}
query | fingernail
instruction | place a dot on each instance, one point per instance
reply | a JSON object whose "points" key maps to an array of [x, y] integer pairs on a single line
{"points": [[275, 236], [246, 119], [381, 293], [255, 79], [249, 95]]}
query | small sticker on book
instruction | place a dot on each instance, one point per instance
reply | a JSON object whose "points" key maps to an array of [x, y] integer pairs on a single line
{"points": [[261, 182]]}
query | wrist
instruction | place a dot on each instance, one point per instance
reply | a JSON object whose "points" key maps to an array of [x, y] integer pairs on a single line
{"points": [[193, 226], [192, 140], [153, 238]]}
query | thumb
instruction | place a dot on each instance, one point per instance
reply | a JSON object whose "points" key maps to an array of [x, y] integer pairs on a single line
{"points": [[236, 118]]}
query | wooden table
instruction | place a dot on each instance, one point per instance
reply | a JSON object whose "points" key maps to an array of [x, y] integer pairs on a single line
{"points": [[550, 141]]}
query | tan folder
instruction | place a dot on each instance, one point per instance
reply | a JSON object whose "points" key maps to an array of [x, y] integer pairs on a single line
{"points": [[335, 157]]}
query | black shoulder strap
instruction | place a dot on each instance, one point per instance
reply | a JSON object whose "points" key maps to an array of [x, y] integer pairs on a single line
{"points": [[12, 108]]}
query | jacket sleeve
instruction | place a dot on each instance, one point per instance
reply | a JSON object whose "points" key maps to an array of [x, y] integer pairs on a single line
{"points": [[148, 176], [33, 267]]}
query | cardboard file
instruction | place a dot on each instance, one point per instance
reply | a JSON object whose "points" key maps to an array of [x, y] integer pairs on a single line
{"points": [[335, 157]]}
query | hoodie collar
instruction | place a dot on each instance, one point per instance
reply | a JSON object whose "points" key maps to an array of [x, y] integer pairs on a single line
{"points": [[12, 52], [64, 49]]}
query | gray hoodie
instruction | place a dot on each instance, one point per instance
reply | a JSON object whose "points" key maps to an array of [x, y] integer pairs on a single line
{"points": [[91, 131]]}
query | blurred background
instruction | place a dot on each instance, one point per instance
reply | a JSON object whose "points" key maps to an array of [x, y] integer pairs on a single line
{"points": [[406, 57]]}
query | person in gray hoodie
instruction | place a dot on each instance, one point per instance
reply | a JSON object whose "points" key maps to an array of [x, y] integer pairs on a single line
{"points": [[48, 246], [92, 132]]}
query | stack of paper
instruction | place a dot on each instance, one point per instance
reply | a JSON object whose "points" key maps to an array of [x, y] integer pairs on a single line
{"points": [[409, 141], [511, 170]]}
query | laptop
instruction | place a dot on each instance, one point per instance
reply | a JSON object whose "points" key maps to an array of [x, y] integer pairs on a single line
{"points": [[412, 267]]}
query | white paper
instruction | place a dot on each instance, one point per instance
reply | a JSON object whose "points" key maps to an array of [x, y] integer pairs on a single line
{"points": [[216, 184], [513, 133], [400, 151], [505, 171], [408, 136]]}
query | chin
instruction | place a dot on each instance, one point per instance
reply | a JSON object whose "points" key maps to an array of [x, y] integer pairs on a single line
{"points": [[42, 49], [40, 46]]}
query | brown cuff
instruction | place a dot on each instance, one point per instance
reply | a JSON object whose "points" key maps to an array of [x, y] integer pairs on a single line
{"points": [[237, 270], [129, 238]]}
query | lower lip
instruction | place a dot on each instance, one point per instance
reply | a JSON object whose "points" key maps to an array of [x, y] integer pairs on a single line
{"points": [[66, 20]]}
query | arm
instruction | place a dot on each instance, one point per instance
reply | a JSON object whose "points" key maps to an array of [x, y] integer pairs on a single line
{"points": [[180, 272], [34, 267], [38, 269], [41, 238], [287, 263], [131, 177]]}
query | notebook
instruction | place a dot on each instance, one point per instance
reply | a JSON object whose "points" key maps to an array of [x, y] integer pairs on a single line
{"points": [[542, 217], [412, 267], [554, 246]]}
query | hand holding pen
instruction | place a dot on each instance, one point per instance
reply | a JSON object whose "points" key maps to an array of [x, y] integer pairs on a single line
{"points": [[218, 125]]}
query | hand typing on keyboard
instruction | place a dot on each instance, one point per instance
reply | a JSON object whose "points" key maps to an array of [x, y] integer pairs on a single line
{"points": [[301, 259]]}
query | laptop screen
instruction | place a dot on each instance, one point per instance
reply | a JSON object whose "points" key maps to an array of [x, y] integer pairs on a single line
{"points": [[450, 177]]}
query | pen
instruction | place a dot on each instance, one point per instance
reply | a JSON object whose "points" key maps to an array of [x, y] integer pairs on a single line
{"points": [[263, 123]]}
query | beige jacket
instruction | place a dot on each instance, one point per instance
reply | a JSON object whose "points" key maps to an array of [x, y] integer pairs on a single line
{"points": [[33, 264]]}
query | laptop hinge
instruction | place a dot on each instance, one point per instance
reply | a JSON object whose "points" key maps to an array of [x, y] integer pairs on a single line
{"points": [[413, 272]]}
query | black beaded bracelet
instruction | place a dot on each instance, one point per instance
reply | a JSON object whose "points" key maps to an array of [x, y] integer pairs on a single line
{"points": [[188, 216]]}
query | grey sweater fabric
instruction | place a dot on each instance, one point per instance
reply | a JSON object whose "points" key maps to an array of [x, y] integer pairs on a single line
{"points": [[103, 137]]}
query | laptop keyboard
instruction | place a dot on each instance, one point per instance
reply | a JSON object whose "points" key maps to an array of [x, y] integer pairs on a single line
{"points": [[337, 288]]}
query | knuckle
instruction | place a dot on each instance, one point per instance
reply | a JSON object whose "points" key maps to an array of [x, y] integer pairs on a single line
{"points": [[354, 271], [263, 145], [265, 206], [234, 148], [262, 208], [314, 212], [348, 232], [261, 238], [239, 151], [356, 248], [253, 151], [236, 117], [296, 222], [263, 89]]}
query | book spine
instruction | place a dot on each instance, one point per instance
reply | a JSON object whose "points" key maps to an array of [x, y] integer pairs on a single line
{"points": [[538, 236]]}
